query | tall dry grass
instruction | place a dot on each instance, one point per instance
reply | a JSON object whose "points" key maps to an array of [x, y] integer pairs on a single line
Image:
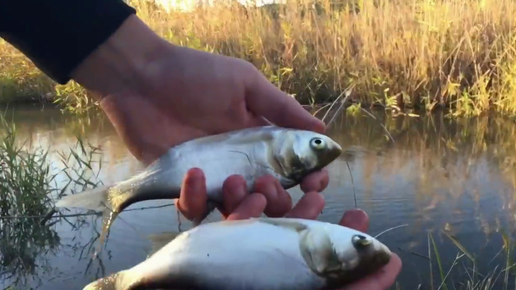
{"points": [[396, 53]]}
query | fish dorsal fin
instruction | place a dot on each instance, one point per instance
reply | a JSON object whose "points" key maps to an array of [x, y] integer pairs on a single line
{"points": [[158, 241], [284, 223], [244, 136]]}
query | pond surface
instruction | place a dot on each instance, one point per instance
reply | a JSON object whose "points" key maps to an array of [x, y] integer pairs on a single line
{"points": [[445, 177]]}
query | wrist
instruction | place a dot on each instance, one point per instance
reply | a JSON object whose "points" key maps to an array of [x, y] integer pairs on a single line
{"points": [[121, 63]]}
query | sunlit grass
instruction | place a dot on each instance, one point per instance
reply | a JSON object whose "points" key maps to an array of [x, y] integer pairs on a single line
{"points": [[426, 54]]}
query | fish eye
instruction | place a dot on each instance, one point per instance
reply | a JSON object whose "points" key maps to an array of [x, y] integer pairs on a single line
{"points": [[317, 143], [360, 241]]}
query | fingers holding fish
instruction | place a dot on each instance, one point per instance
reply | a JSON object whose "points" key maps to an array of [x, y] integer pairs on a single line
{"points": [[279, 201], [356, 219], [234, 191], [193, 197], [252, 206], [382, 279], [316, 181], [308, 207]]}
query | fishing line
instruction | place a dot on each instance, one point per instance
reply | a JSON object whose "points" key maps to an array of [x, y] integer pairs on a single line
{"points": [[372, 116], [390, 229], [352, 184], [179, 223], [346, 93]]}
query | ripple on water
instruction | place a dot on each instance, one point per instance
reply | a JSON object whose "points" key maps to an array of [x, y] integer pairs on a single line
{"points": [[438, 175]]}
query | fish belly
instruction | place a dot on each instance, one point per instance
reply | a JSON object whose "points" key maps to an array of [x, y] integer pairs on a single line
{"points": [[218, 163], [253, 256]]}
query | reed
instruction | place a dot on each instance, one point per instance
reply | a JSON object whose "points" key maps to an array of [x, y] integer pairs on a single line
{"points": [[30, 182]]}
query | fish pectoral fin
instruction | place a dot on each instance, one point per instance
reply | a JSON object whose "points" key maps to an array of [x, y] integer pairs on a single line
{"points": [[284, 223], [279, 161], [318, 251], [160, 240]]}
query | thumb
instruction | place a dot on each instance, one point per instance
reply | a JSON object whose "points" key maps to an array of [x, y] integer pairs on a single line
{"points": [[264, 99], [356, 219]]}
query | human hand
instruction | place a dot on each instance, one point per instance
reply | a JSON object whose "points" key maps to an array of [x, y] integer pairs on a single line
{"points": [[385, 277], [193, 198], [190, 94], [309, 207], [182, 94]]}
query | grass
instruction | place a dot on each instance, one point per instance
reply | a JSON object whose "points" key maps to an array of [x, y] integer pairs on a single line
{"points": [[24, 188], [497, 278], [28, 190], [399, 54]]}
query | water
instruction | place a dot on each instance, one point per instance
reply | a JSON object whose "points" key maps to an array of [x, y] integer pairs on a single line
{"points": [[440, 176]]}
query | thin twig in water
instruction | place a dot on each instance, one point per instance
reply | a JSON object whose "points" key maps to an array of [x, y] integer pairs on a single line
{"points": [[80, 214], [430, 261], [390, 229], [352, 184], [347, 93], [372, 116], [331, 106], [449, 271], [496, 255], [322, 108], [179, 223], [339, 109], [414, 253], [48, 216]]}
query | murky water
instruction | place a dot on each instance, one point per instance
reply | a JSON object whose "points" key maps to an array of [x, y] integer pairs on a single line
{"points": [[439, 176]]}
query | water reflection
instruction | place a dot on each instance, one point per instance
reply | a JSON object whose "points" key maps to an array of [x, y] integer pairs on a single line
{"points": [[440, 175]]}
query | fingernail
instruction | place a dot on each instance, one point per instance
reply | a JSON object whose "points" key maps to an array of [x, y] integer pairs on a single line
{"points": [[194, 180]]}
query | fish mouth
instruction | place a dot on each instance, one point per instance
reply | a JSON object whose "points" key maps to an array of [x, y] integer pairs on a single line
{"points": [[372, 256], [382, 258], [331, 154], [370, 263], [371, 260], [335, 151]]}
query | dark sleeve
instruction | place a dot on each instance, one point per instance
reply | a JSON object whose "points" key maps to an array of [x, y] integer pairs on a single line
{"points": [[57, 35]]}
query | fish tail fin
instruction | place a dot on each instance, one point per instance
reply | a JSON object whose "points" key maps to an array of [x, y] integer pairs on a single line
{"points": [[94, 199], [110, 200], [115, 281]]}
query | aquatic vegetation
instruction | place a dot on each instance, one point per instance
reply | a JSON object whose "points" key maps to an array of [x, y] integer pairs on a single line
{"points": [[398, 54], [24, 186], [496, 278], [28, 189]]}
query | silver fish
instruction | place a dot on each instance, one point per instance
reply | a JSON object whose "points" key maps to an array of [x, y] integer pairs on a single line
{"points": [[254, 254], [287, 154]]}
